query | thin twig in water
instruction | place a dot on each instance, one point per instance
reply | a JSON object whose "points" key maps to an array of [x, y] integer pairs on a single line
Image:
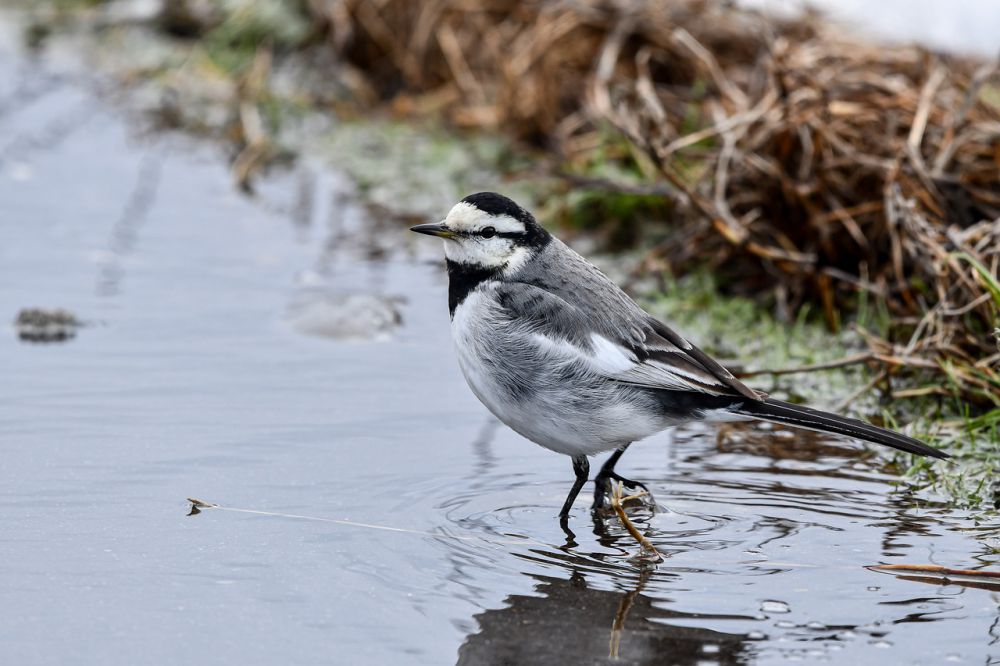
{"points": [[647, 551], [936, 574], [197, 506]]}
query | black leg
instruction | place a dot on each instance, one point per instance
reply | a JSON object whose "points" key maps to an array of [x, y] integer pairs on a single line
{"points": [[582, 469], [602, 483]]}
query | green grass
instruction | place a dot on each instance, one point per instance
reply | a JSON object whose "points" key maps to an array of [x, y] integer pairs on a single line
{"points": [[250, 24], [988, 278], [741, 331], [971, 479], [991, 95], [417, 169]]}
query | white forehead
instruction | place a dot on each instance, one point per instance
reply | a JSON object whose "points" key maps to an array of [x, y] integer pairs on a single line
{"points": [[466, 217]]}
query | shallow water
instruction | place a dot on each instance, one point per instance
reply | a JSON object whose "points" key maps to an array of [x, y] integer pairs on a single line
{"points": [[195, 377]]}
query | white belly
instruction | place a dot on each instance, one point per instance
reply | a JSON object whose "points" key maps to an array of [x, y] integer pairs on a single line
{"points": [[537, 390]]}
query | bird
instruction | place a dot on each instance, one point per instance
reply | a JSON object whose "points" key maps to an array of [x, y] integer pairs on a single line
{"points": [[564, 357]]}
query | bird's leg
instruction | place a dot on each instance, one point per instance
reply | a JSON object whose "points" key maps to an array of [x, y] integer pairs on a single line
{"points": [[582, 469], [602, 482]]}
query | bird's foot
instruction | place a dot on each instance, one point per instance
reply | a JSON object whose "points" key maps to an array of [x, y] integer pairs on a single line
{"points": [[603, 493]]}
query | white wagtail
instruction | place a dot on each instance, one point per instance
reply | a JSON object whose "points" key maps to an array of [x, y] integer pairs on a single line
{"points": [[563, 356]]}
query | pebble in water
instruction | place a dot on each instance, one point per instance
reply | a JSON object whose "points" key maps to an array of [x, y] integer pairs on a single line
{"points": [[46, 325], [771, 606]]}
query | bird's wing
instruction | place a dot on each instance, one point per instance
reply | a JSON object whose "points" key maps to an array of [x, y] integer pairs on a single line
{"points": [[645, 353], [666, 351]]}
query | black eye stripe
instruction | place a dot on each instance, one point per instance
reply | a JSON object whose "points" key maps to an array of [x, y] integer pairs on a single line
{"points": [[496, 234]]}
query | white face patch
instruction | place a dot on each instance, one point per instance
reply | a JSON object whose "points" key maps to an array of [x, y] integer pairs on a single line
{"points": [[466, 217], [472, 248]]}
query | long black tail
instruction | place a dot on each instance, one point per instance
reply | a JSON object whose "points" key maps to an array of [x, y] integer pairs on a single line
{"points": [[813, 419]]}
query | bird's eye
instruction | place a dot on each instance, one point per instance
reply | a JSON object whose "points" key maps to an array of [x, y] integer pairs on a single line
{"points": [[488, 232]]}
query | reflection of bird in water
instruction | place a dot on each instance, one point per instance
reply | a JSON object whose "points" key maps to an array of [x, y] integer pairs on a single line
{"points": [[566, 622], [482, 446], [125, 232], [342, 295]]}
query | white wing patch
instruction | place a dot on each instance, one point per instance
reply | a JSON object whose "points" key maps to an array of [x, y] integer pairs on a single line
{"points": [[554, 347], [605, 358], [611, 358], [618, 362]]}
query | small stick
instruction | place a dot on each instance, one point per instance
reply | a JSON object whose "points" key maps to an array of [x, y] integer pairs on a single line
{"points": [[197, 506], [646, 549], [839, 363], [936, 574], [937, 569]]}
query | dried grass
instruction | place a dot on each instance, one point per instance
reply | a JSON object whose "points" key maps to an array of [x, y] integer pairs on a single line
{"points": [[807, 164]]}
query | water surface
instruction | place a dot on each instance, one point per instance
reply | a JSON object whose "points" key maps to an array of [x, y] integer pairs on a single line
{"points": [[195, 377]]}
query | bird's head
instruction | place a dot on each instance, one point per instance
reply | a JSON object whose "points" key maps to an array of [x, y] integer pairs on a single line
{"points": [[488, 230]]}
